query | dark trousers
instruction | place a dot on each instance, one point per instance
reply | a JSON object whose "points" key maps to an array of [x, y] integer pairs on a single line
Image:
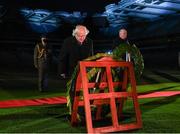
{"points": [[43, 75]]}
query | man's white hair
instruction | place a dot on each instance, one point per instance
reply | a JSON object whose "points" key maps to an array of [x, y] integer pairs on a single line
{"points": [[76, 30]]}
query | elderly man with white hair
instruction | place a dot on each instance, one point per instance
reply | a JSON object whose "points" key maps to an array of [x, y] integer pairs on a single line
{"points": [[74, 48]]}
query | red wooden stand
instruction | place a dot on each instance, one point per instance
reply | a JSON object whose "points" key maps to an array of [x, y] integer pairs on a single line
{"points": [[110, 97]]}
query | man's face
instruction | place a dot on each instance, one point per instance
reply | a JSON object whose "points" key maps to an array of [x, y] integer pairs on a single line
{"points": [[44, 41], [81, 35], [123, 34]]}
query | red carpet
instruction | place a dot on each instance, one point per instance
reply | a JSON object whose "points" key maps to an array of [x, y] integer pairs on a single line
{"points": [[62, 100], [159, 94], [32, 102]]}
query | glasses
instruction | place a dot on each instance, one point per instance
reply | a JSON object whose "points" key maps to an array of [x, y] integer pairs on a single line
{"points": [[81, 35]]}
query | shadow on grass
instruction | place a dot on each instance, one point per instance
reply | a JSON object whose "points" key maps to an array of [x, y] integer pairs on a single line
{"points": [[148, 106], [37, 112], [150, 80], [166, 75]]}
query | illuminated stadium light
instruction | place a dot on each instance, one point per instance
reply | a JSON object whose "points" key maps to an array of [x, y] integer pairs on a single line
{"points": [[144, 9], [45, 21], [72, 18], [40, 20], [115, 15], [126, 11]]}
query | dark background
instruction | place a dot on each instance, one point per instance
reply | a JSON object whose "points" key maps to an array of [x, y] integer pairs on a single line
{"points": [[158, 40]]}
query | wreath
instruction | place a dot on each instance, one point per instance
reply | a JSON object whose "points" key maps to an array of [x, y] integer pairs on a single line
{"points": [[136, 57], [117, 54]]}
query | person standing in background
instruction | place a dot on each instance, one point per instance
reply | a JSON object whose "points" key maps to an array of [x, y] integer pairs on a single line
{"points": [[122, 39], [42, 58]]}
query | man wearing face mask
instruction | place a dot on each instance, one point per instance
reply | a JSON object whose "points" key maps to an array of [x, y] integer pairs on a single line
{"points": [[74, 49], [42, 57]]}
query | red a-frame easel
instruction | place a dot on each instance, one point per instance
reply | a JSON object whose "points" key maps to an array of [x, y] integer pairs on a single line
{"points": [[113, 98]]}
